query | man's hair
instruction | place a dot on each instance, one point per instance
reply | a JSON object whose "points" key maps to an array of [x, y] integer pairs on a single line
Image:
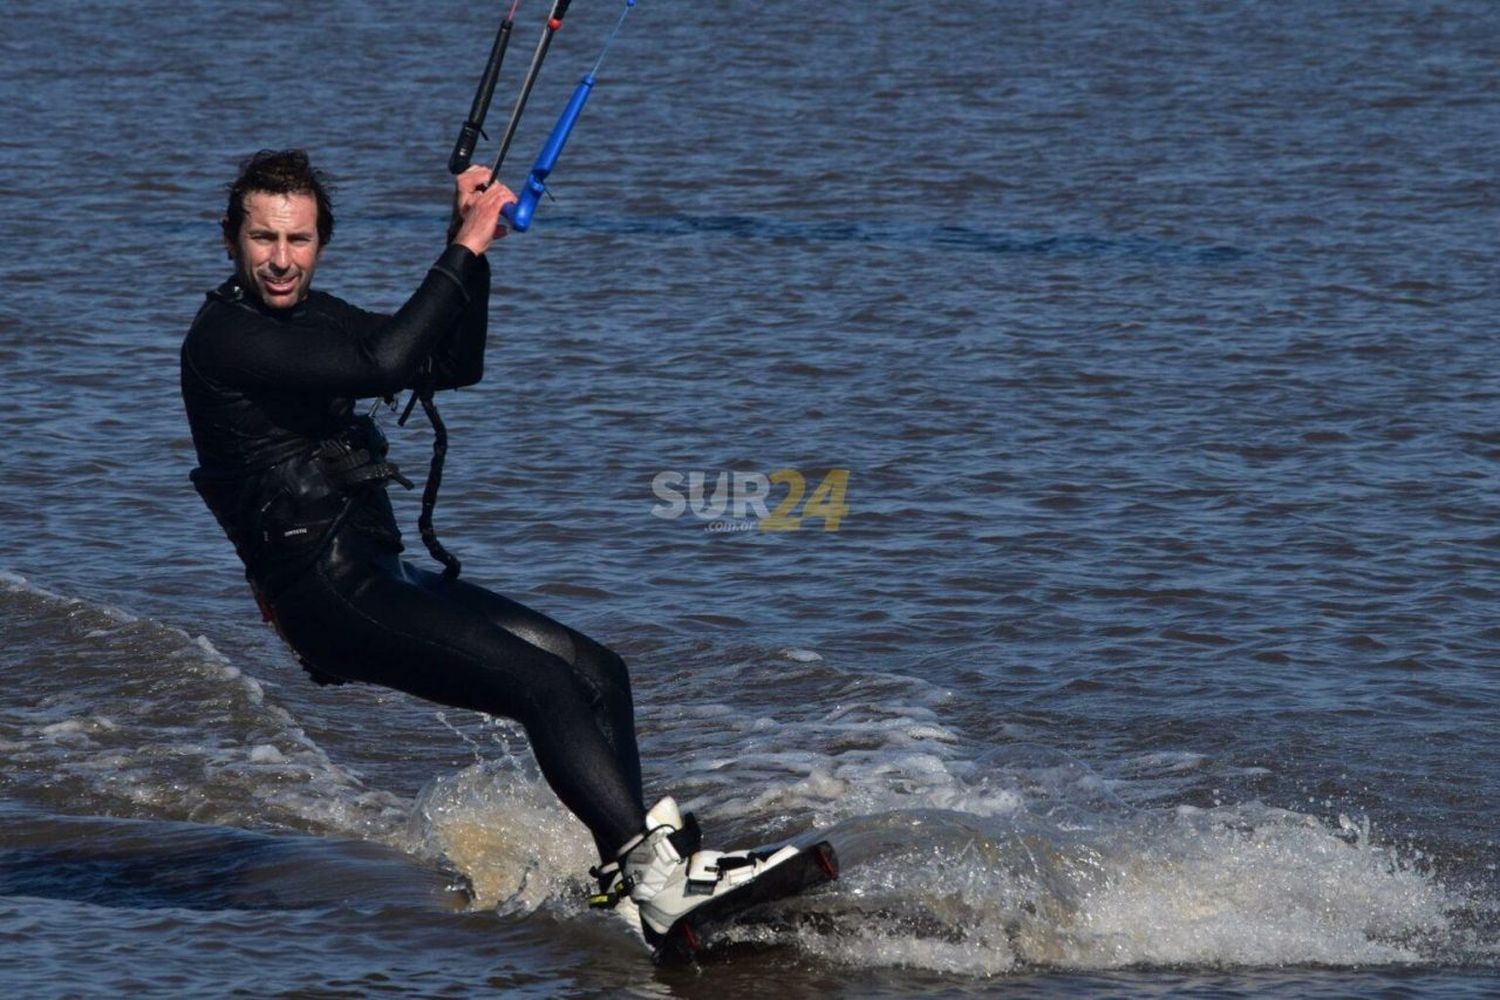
{"points": [[279, 171]]}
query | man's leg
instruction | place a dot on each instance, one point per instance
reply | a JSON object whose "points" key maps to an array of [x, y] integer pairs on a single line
{"points": [[442, 640], [598, 669]]}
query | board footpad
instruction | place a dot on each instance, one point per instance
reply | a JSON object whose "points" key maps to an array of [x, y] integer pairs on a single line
{"points": [[693, 933]]}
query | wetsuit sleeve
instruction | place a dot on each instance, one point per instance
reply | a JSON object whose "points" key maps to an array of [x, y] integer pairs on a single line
{"points": [[458, 357], [362, 359]]}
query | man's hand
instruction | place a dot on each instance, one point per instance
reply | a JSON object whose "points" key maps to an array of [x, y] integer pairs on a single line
{"points": [[466, 186], [476, 209]]}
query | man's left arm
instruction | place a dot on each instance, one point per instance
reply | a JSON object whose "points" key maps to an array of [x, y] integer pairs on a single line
{"points": [[458, 358]]}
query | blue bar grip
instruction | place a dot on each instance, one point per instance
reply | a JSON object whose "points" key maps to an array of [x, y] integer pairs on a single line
{"points": [[519, 214]]}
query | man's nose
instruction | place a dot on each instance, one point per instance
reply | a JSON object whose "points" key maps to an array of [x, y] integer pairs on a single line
{"points": [[281, 257]]}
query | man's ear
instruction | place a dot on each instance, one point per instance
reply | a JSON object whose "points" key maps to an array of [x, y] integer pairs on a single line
{"points": [[228, 240]]}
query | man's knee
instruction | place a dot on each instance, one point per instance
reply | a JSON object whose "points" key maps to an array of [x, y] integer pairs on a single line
{"points": [[605, 672]]}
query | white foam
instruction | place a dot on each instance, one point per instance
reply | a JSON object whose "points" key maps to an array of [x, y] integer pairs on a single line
{"points": [[15, 582], [506, 830], [1236, 886], [878, 757], [1035, 859]]}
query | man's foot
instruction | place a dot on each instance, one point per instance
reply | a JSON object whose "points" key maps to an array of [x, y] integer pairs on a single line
{"points": [[663, 823], [666, 874]]}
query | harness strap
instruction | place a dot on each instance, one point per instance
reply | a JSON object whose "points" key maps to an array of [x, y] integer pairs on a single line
{"points": [[423, 394], [451, 565]]}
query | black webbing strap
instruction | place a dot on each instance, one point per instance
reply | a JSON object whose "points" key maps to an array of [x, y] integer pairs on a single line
{"points": [[451, 565]]}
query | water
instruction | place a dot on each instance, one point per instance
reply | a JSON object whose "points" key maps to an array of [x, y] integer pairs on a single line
{"points": [[1154, 654]]}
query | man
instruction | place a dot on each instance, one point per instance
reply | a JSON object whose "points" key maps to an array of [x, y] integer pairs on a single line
{"points": [[270, 373]]}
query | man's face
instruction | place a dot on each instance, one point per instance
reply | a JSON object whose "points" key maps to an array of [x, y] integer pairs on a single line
{"points": [[277, 247]]}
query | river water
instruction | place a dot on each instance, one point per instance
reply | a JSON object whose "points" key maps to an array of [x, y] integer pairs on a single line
{"points": [[1154, 653]]}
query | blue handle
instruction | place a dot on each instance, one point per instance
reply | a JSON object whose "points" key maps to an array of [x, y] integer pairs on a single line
{"points": [[519, 214]]}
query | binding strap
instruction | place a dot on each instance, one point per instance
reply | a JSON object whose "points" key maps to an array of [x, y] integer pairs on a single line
{"points": [[615, 885]]}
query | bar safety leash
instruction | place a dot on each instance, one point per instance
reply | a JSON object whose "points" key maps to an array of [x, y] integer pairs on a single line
{"points": [[451, 565], [422, 393], [519, 214]]}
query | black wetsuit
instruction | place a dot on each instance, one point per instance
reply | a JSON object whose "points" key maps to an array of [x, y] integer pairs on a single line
{"points": [[297, 481]]}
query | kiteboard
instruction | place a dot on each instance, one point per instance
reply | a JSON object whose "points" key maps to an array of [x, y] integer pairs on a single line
{"points": [[702, 930]]}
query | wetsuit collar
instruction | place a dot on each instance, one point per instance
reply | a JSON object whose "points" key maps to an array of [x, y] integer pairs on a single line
{"points": [[234, 292]]}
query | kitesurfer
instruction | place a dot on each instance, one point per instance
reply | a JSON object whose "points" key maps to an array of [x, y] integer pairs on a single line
{"points": [[271, 370]]}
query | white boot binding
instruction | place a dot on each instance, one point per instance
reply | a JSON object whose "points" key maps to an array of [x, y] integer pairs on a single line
{"points": [[672, 835], [666, 875], [712, 872]]}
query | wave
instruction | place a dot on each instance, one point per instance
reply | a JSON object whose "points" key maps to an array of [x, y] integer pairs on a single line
{"points": [[111, 714], [958, 859]]}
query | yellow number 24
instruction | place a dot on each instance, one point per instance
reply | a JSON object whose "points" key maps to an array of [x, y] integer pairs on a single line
{"points": [[827, 501]]}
